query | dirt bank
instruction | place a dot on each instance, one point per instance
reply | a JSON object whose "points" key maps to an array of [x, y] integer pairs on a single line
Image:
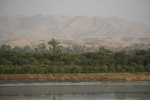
{"points": [[4, 78]]}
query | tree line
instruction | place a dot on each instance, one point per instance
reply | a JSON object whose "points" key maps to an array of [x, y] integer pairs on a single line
{"points": [[16, 62], [53, 47]]}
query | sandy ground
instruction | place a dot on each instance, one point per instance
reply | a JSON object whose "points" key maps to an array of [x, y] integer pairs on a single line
{"points": [[6, 78]]}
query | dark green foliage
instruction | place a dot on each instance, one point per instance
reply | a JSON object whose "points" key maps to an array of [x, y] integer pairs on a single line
{"points": [[104, 50], [16, 62], [121, 58], [76, 69], [5, 48], [148, 68], [103, 68], [111, 69]]}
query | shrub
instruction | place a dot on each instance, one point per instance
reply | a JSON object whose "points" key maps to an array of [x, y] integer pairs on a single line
{"points": [[103, 68], [148, 68], [111, 69], [76, 69]]}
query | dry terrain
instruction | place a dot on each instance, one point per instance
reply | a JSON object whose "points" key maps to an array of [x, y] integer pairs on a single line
{"points": [[6, 78]]}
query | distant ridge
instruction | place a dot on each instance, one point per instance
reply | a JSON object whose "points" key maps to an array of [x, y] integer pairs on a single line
{"points": [[107, 30], [43, 27]]}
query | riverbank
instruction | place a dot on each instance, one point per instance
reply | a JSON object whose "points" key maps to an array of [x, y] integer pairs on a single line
{"points": [[8, 78]]}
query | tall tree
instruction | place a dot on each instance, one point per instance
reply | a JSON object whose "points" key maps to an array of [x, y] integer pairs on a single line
{"points": [[54, 43]]}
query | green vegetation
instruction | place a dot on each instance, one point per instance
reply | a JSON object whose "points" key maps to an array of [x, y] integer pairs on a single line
{"points": [[24, 60]]}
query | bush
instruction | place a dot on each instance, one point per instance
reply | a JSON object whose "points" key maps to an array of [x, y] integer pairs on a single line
{"points": [[76, 69], [18, 63], [4, 61], [28, 69], [129, 68], [139, 68], [103, 68], [15, 70], [45, 61], [111, 69], [4, 69], [148, 68], [60, 70]]}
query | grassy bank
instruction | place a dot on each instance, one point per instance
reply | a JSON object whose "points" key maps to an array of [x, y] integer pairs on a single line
{"points": [[6, 78]]}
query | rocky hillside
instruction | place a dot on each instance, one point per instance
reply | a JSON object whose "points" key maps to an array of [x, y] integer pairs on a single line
{"points": [[101, 30], [39, 26]]}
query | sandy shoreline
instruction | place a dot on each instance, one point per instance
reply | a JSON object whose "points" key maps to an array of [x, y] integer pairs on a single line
{"points": [[10, 78]]}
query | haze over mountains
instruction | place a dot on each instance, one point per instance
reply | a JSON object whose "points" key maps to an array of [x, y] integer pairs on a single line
{"points": [[78, 29]]}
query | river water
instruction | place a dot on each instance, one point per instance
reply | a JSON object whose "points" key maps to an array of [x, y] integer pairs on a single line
{"points": [[76, 91]]}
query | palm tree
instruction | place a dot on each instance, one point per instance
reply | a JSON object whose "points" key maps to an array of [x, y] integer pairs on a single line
{"points": [[54, 43]]}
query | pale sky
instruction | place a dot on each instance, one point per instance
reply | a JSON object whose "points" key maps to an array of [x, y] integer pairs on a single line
{"points": [[134, 10]]}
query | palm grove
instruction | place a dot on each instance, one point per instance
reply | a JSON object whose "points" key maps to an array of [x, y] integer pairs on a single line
{"points": [[23, 60]]}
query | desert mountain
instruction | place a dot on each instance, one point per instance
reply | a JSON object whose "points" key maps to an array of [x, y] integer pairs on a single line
{"points": [[104, 30]]}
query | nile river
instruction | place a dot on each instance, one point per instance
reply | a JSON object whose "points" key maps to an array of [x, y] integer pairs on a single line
{"points": [[139, 90]]}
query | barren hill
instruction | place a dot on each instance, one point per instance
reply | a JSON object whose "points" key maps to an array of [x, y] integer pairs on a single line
{"points": [[78, 29]]}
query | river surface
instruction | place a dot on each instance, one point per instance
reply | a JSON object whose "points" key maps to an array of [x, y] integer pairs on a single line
{"points": [[139, 90]]}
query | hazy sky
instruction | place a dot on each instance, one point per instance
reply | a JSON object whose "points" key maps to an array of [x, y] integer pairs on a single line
{"points": [[136, 10]]}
